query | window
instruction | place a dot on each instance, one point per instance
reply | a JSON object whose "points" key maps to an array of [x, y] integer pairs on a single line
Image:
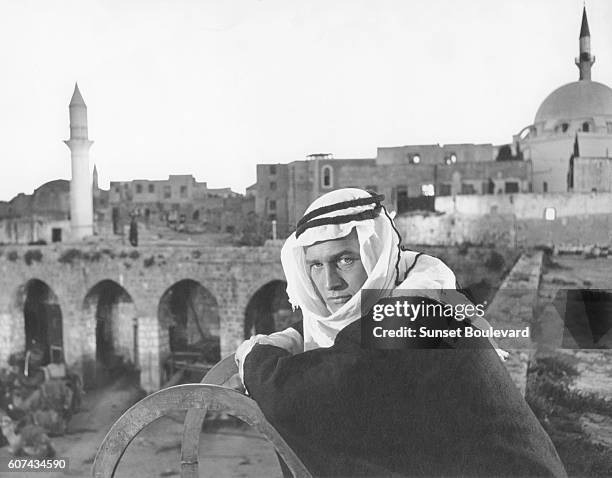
{"points": [[272, 217], [272, 205], [550, 214], [564, 127], [467, 188], [451, 159], [609, 126], [138, 188], [327, 176], [151, 188], [272, 185], [401, 192], [586, 126], [167, 192], [56, 235], [118, 190], [444, 189], [512, 187], [272, 169], [196, 215], [183, 191], [545, 186], [427, 190]]}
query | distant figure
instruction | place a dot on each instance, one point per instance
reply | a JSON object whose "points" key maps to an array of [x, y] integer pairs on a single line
{"points": [[133, 231]]}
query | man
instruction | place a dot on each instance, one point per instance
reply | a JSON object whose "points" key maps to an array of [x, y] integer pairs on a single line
{"points": [[348, 409]]}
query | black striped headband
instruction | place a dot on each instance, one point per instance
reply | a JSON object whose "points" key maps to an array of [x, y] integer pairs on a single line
{"points": [[309, 220]]}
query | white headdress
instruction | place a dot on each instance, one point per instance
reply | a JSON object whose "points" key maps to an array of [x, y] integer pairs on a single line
{"points": [[391, 270], [335, 215]]}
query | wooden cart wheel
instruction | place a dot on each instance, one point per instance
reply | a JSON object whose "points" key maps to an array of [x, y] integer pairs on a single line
{"points": [[196, 399], [194, 418]]}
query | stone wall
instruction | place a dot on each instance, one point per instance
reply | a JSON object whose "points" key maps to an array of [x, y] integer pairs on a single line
{"points": [[232, 276], [513, 308], [506, 229], [32, 229], [452, 229], [527, 206]]}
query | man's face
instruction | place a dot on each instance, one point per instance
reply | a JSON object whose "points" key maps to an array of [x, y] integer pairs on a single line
{"points": [[335, 269]]}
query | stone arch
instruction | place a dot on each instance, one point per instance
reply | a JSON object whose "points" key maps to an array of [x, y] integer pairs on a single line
{"points": [[115, 334], [41, 331], [190, 313], [269, 310]]}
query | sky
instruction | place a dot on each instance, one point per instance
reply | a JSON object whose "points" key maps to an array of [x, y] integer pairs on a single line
{"points": [[212, 88]]}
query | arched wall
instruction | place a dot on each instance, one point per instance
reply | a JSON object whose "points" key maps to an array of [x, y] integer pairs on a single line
{"points": [[12, 317], [268, 309], [231, 274], [190, 312], [108, 314]]}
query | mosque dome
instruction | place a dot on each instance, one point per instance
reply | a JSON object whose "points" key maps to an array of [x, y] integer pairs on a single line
{"points": [[577, 100], [51, 198]]}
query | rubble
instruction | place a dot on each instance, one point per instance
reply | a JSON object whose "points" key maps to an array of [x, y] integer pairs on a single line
{"points": [[36, 402]]}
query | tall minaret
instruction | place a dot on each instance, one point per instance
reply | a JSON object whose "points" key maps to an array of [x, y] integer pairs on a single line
{"points": [[94, 183], [585, 60], [81, 201]]}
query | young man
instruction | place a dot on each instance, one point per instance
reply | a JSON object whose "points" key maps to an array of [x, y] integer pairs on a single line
{"points": [[353, 410]]}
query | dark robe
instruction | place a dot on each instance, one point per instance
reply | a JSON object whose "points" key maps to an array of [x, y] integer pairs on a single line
{"points": [[445, 410]]}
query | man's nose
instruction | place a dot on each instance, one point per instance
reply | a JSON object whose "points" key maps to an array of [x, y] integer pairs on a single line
{"points": [[333, 280]]}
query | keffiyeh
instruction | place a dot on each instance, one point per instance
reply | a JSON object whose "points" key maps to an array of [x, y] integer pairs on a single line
{"points": [[390, 270], [384, 261]]}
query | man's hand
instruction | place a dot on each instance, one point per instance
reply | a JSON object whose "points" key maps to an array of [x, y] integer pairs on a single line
{"points": [[234, 383]]}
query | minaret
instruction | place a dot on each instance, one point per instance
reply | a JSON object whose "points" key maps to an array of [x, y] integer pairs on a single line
{"points": [[95, 178], [81, 201], [585, 60]]}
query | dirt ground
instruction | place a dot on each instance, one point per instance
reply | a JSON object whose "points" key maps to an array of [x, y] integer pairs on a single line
{"points": [[594, 366], [227, 449]]}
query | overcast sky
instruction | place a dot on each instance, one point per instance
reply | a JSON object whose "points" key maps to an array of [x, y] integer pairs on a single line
{"points": [[211, 88]]}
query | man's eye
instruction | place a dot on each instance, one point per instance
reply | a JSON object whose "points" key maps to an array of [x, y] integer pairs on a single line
{"points": [[316, 266], [345, 261]]}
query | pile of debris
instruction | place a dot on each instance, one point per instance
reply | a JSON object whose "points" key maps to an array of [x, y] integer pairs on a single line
{"points": [[36, 402]]}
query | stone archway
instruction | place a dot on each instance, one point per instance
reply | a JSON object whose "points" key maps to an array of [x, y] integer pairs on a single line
{"points": [[269, 310], [42, 322], [112, 309], [190, 313]]}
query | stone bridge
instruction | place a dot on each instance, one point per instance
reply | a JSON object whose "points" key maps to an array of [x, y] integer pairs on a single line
{"points": [[136, 302]]}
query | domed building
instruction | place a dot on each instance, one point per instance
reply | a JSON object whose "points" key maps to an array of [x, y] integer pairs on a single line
{"points": [[570, 139]]}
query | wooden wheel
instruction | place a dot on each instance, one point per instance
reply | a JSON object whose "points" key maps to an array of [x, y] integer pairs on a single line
{"points": [[196, 399]]}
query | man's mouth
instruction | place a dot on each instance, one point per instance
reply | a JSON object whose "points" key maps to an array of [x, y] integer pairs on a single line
{"points": [[341, 299]]}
